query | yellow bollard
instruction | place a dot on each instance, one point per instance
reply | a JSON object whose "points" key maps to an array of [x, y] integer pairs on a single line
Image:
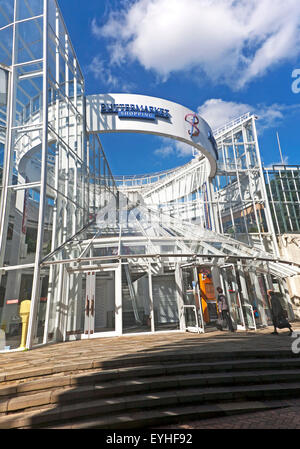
{"points": [[24, 314]]}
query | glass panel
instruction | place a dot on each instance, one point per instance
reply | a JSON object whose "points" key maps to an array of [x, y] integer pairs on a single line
{"points": [[190, 317], [30, 42], [136, 301], [265, 303], [165, 302], [133, 249], [22, 226], [42, 306], [29, 97], [248, 316], [76, 305], [105, 302], [188, 283], [6, 40], [52, 14], [29, 8], [3, 120], [6, 12], [15, 287], [27, 169], [105, 250], [1, 162], [62, 170], [236, 312], [253, 299], [48, 225]]}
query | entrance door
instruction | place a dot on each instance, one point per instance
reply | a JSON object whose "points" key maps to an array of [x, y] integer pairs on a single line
{"points": [[100, 308], [233, 295], [192, 308], [94, 306]]}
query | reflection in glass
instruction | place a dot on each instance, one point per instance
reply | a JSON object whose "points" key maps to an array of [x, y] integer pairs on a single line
{"points": [[165, 302], [15, 287], [135, 301]]}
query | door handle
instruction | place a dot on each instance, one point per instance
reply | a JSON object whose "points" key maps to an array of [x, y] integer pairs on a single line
{"points": [[93, 307], [87, 306]]}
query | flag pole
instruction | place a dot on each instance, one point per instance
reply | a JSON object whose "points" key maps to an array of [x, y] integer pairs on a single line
{"points": [[279, 146]]}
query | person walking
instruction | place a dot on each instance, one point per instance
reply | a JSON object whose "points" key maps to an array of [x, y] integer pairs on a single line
{"points": [[278, 313], [224, 309]]}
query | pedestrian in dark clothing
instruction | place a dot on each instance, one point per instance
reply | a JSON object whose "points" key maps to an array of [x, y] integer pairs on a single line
{"points": [[278, 313], [224, 309]]}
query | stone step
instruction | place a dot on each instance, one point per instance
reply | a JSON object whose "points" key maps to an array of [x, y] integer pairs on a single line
{"points": [[142, 385], [148, 419], [133, 360], [125, 406], [16, 387]]}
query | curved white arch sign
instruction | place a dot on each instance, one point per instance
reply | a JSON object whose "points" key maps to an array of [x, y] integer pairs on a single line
{"points": [[151, 115]]}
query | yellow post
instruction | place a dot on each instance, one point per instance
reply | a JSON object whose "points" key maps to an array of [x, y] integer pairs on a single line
{"points": [[24, 314]]}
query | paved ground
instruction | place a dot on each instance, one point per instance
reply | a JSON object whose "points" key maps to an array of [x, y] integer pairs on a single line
{"points": [[282, 418], [119, 348]]}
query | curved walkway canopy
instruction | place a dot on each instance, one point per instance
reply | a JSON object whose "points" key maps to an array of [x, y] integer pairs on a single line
{"points": [[151, 115]]}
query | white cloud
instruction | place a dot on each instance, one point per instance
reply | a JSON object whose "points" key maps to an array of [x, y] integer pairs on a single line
{"points": [[227, 40], [164, 151], [183, 149], [173, 148], [103, 72], [218, 112]]}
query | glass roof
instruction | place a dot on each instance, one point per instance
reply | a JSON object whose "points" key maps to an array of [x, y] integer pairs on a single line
{"points": [[146, 232]]}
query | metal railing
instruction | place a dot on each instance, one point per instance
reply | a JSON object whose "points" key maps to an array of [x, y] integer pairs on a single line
{"points": [[231, 124]]}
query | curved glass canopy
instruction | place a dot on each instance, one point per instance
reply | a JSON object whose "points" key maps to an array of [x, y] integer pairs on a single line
{"points": [[141, 234]]}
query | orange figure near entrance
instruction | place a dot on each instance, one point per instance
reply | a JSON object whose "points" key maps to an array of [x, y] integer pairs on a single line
{"points": [[207, 291]]}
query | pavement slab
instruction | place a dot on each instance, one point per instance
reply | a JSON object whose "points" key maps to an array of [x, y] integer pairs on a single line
{"points": [[286, 416], [98, 353]]}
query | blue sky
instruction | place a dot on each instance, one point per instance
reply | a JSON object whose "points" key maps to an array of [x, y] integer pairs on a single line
{"points": [[220, 58]]}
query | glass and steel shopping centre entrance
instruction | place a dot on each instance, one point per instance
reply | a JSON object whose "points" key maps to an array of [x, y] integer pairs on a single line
{"points": [[87, 254]]}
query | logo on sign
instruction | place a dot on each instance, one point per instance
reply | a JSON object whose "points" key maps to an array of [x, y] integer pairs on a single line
{"points": [[194, 131], [194, 121], [135, 111]]}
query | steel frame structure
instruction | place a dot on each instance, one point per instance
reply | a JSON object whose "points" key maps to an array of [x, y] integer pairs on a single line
{"points": [[56, 183], [45, 140]]}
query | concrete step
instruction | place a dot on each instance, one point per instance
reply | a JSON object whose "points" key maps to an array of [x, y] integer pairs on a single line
{"points": [[96, 392], [42, 378], [282, 368], [73, 414], [133, 360], [77, 394], [148, 419]]}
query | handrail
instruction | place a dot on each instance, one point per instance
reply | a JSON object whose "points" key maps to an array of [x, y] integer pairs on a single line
{"points": [[231, 124], [148, 178]]}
